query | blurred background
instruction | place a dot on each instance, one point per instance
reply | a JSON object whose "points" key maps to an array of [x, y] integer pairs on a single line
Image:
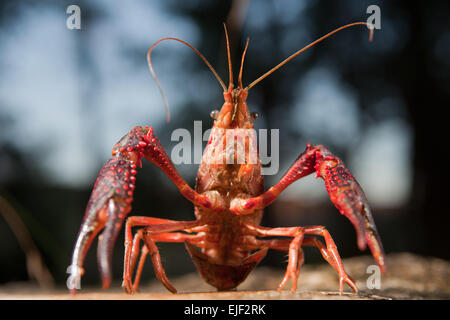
{"points": [[67, 96]]}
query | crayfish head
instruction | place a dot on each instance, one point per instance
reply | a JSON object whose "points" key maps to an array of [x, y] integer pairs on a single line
{"points": [[234, 112]]}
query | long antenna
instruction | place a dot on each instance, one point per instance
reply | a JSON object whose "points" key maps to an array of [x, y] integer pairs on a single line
{"points": [[149, 60], [242, 64], [251, 85], [230, 69]]}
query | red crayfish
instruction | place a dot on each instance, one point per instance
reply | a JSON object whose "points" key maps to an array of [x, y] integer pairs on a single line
{"points": [[225, 241]]}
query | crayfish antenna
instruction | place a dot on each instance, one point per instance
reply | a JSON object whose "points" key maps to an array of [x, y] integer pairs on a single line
{"points": [[371, 28], [152, 71], [369, 25], [166, 104]]}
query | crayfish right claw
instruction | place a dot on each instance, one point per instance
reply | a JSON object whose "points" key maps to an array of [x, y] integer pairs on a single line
{"points": [[109, 204]]}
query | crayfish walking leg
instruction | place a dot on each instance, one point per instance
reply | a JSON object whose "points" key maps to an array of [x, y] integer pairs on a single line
{"points": [[157, 230], [293, 246]]}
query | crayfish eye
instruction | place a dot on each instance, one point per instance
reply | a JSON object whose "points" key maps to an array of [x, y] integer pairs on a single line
{"points": [[214, 114], [254, 115]]}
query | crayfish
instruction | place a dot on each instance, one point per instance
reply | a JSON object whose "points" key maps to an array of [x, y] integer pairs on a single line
{"points": [[226, 240]]}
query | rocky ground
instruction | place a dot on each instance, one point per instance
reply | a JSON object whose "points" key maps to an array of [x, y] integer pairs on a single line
{"points": [[408, 277]]}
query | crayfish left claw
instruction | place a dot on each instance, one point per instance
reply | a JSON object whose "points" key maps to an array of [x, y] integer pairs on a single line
{"points": [[349, 198], [343, 189]]}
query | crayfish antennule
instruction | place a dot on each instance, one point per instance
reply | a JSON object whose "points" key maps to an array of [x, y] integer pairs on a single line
{"points": [[242, 64], [230, 68]]}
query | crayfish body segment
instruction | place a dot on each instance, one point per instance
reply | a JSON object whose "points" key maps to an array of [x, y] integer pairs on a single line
{"points": [[225, 241]]}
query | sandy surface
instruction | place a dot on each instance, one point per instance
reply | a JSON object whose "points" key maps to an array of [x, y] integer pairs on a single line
{"points": [[408, 277]]}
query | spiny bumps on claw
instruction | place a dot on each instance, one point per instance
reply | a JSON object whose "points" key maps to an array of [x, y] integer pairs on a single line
{"points": [[132, 145], [116, 179], [135, 140]]}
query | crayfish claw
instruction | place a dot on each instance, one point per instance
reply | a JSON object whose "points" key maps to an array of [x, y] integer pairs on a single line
{"points": [[349, 198], [109, 204], [107, 240]]}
